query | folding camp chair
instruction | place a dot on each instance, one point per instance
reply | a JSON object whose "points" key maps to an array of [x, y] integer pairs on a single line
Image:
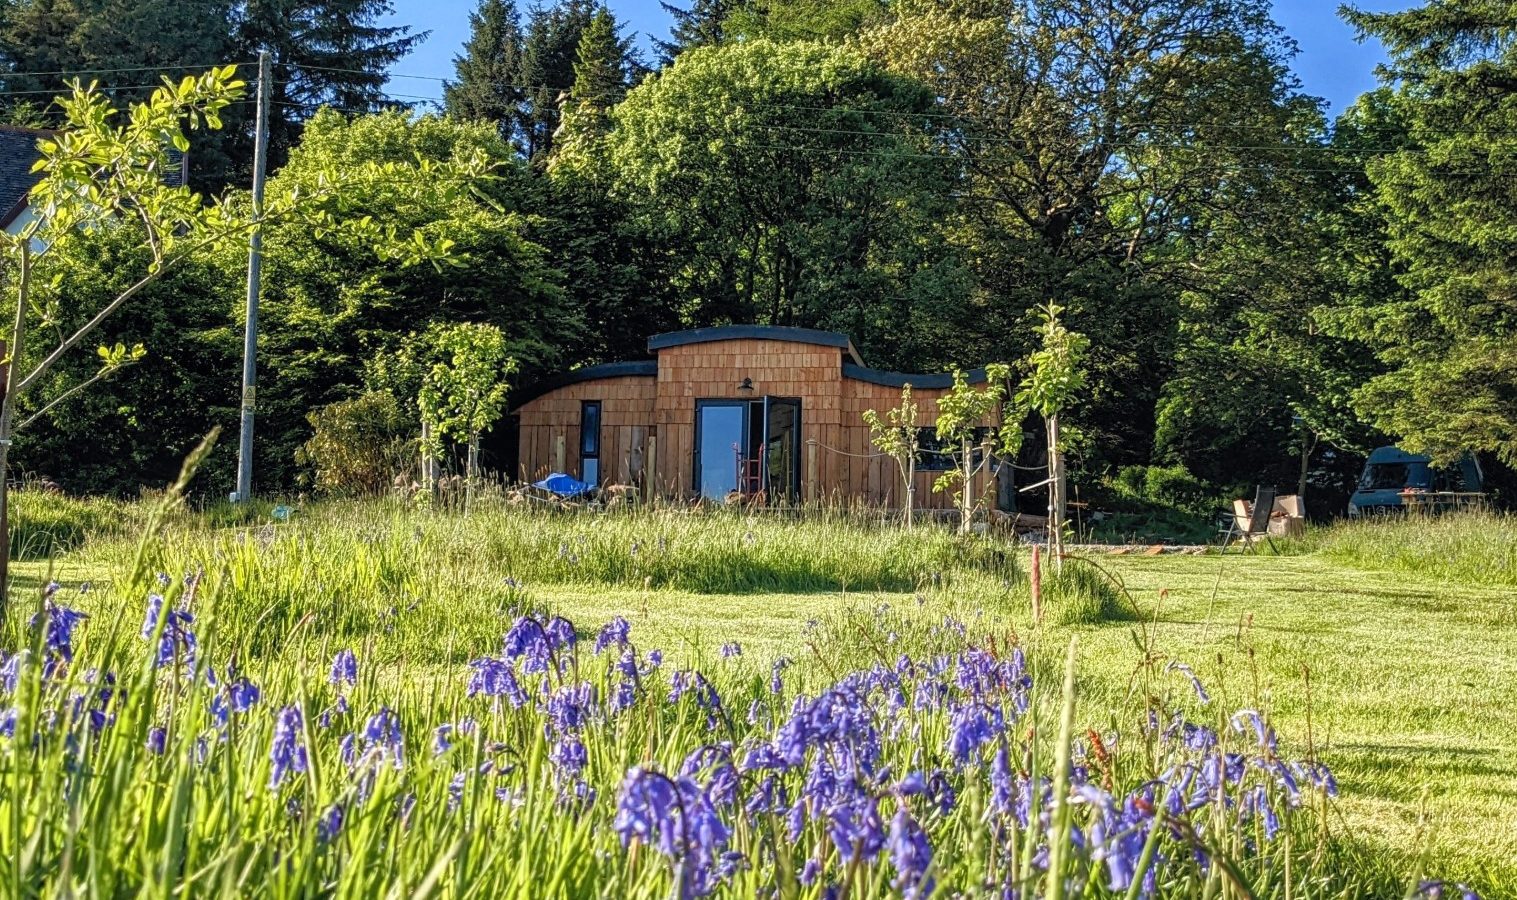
{"points": [[1251, 522]]}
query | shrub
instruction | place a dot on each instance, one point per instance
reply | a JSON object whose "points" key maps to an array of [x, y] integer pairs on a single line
{"points": [[358, 446], [1172, 486]]}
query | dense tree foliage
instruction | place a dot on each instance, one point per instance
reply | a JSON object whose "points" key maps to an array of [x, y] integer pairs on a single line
{"points": [[325, 52], [1266, 293], [1445, 192]]}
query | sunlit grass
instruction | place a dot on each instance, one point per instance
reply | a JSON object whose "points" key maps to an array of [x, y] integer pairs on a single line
{"points": [[1402, 683]]}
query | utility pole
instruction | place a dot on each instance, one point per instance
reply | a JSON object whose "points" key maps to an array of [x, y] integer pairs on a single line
{"points": [[255, 275]]}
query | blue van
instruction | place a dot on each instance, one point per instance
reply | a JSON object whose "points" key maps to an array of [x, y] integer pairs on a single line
{"points": [[1390, 470]]}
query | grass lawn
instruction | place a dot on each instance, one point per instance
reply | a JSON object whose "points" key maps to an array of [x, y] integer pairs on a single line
{"points": [[1405, 685]]}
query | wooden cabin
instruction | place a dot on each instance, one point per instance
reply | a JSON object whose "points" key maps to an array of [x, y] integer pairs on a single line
{"points": [[756, 410]]}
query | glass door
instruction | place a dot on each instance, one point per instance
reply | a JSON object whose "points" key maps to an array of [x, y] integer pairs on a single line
{"points": [[782, 449], [720, 436]]}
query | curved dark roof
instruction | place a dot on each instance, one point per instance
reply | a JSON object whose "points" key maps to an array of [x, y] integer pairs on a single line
{"points": [[755, 332], [645, 368], [934, 381]]}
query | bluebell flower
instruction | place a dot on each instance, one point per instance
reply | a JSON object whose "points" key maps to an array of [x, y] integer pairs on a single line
{"points": [[570, 756], [560, 632], [655, 658], [615, 634], [382, 736], [776, 683], [58, 637], [529, 641], [237, 696], [856, 828], [940, 792], [568, 708], [1437, 890], [288, 752], [494, 678], [810, 871], [1262, 732], [329, 823], [176, 642], [8, 722], [157, 740], [344, 668], [731, 649], [911, 855], [677, 818], [10, 673], [971, 726]]}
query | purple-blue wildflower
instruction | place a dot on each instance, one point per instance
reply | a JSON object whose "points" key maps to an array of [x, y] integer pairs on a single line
{"points": [[176, 642], [288, 752], [616, 633], [58, 636], [911, 855], [344, 668]]}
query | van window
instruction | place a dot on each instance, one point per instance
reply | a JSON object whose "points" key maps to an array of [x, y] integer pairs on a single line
{"points": [[1384, 477]]}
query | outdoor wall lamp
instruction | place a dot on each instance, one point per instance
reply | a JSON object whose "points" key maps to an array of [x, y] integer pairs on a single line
{"points": [[746, 387]]}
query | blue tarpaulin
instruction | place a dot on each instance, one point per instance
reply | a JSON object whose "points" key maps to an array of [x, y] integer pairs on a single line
{"points": [[563, 485]]}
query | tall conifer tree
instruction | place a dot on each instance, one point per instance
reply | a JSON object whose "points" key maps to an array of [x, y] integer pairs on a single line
{"points": [[488, 88]]}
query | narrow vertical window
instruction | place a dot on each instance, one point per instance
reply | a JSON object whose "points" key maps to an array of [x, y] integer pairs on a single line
{"points": [[589, 442]]}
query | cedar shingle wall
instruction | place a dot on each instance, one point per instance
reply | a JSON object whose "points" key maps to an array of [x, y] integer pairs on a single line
{"points": [[713, 371]]}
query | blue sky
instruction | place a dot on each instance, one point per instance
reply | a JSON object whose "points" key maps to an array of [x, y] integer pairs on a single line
{"points": [[1330, 65]]}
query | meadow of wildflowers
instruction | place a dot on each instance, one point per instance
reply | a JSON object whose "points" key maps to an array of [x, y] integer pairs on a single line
{"points": [[204, 725]]}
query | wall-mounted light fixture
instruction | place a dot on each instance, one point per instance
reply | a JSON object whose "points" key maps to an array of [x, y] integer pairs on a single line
{"points": [[746, 387]]}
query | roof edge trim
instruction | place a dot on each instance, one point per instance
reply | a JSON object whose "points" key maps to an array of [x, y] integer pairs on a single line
{"points": [[641, 368], [933, 381], [756, 333]]}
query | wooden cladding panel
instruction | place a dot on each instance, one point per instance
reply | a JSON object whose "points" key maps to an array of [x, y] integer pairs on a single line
{"points": [[626, 417]]}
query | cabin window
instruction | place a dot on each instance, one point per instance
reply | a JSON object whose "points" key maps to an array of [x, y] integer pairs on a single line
{"points": [[936, 455], [589, 442]]}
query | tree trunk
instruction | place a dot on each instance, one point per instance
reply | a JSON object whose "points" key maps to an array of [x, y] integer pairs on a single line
{"points": [[7, 414], [911, 491], [428, 463], [1307, 446], [1055, 495], [965, 488], [471, 470]]}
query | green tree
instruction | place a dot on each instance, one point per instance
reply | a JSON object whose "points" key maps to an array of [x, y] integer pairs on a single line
{"points": [[463, 390], [96, 174], [895, 435], [1055, 376], [704, 24], [1096, 139], [487, 88], [549, 54], [793, 183], [962, 413], [331, 302], [335, 53], [1450, 342], [104, 40]]}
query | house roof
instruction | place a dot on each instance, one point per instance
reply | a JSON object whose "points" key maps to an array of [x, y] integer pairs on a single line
{"points": [[645, 368], [18, 153], [933, 381], [756, 333]]}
